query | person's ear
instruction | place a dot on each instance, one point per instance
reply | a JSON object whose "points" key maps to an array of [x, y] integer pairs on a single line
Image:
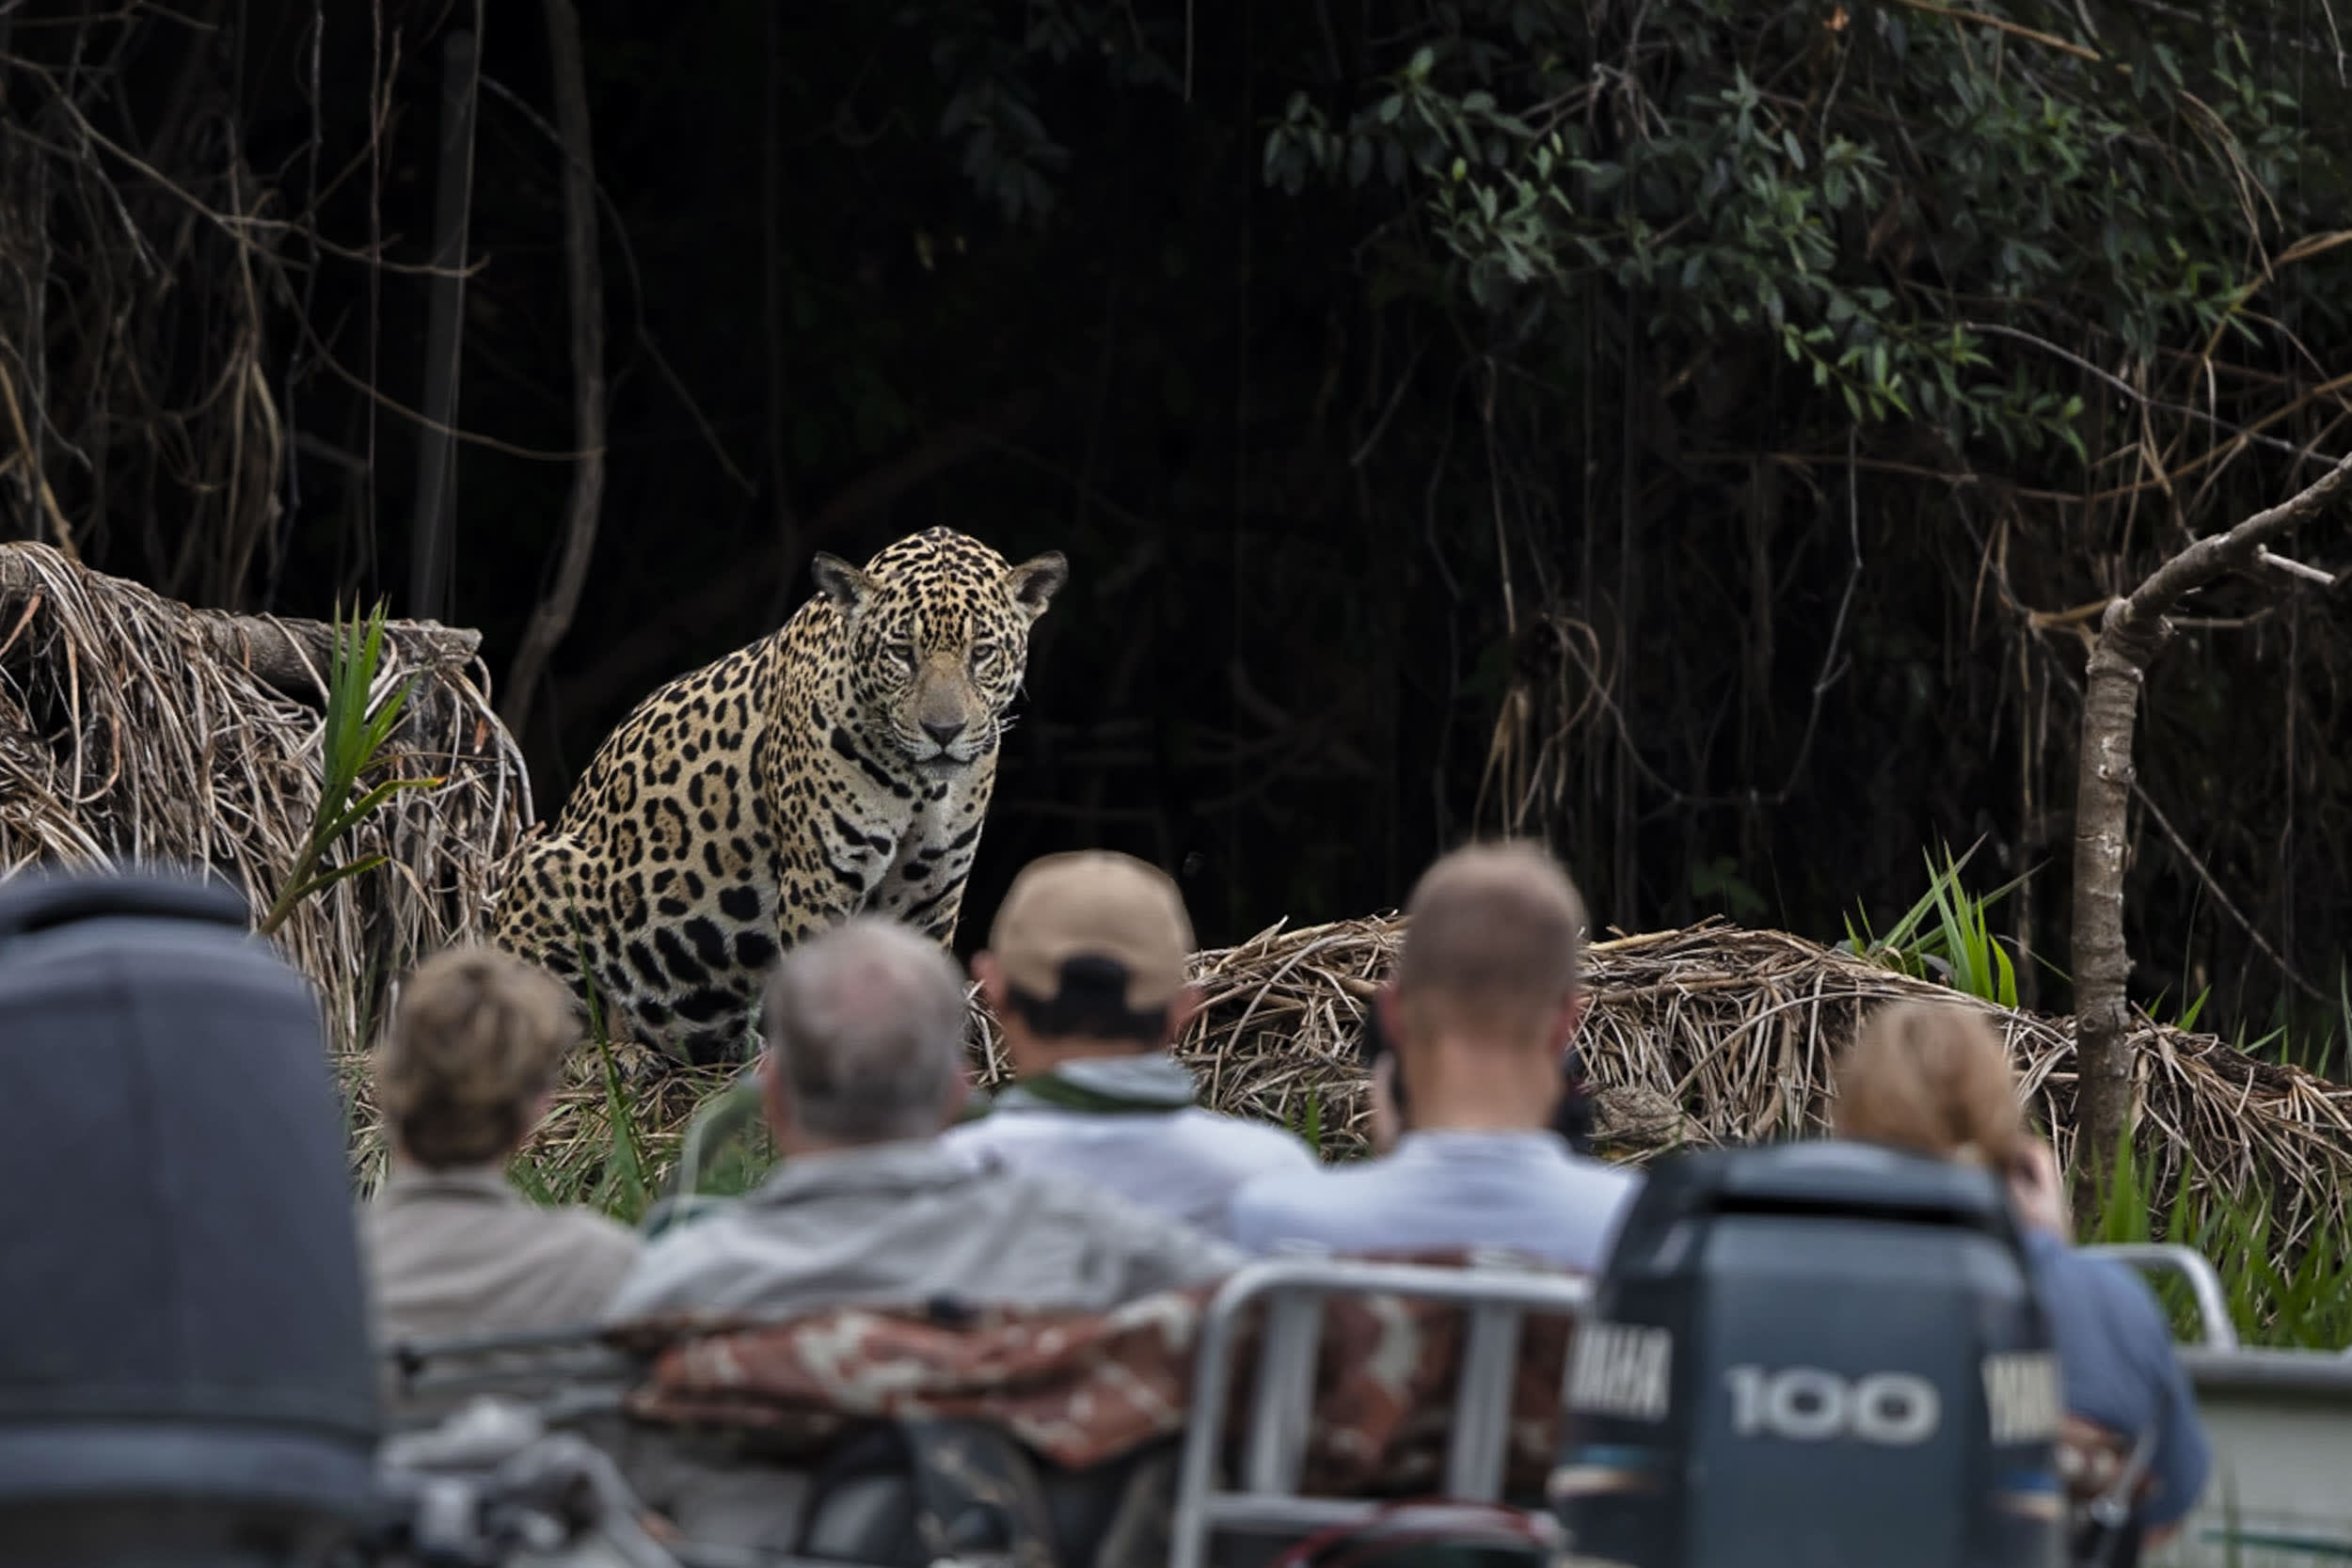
{"points": [[1392, 1008], [1182, 1009], [534, 1112], [772, 1092], [990, 975], [958, 1096], [1387, 1123], [1571, 1014]]}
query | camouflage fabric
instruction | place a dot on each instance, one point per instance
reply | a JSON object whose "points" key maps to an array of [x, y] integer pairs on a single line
{"points": [[1081, 1389]]}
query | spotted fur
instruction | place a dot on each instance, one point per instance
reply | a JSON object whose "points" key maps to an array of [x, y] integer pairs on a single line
{"points": [[842, 765]]}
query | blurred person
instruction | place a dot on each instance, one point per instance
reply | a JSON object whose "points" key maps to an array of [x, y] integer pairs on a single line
{"points": [[1936, 1079], [466, 1073], [1486, 996], [862, 1069], [1085, 974]]}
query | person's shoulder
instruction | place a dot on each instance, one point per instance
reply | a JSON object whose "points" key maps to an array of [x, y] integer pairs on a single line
{"points": [[2126, 1290], [1070, 1204], [1307, 1204], [2113, 1295], [666, 1271], [592, 1230], [2086, 1269], [373, 1213], [1254, 1145], [975, 1142], [1602, 1175]]}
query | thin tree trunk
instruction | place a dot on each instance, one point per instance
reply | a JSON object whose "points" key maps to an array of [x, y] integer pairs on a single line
{"points": [[433, 529], [552, 617], [2131, 634]]}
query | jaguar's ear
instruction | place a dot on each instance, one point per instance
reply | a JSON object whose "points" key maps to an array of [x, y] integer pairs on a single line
{"points": [[1033, 582], [843, 583]]}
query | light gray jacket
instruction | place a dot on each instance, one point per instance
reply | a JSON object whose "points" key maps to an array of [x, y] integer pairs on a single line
{"points": [[906, 1223], [1131, 1127], [461, 1252]]}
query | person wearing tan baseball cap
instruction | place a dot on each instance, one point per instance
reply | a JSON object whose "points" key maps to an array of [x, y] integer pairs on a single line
{"points": [[1084, 972]]}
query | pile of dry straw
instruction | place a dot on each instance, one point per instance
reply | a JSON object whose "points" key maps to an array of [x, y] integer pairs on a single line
{"points": [[137, 731]]}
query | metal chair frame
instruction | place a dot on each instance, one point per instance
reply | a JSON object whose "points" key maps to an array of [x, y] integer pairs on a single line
{"points": [[1496, 1300]]}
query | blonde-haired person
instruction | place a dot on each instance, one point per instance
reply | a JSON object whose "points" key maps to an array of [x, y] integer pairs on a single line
{"points": [[465, 1076], [1934, 1078]]}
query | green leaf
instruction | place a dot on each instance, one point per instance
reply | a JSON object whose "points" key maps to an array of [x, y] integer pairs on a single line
{"points": [[328, 879], [360, 810]]}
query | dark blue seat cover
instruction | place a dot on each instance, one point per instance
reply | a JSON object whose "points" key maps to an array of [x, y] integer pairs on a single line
{"points": [[183, 1319]]}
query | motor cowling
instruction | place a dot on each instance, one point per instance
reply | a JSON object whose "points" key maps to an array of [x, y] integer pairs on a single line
{"points": [[185, 1363], [1825, 1355]]}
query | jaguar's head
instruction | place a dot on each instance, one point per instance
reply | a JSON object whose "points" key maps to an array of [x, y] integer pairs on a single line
{"points": [[938, 632]]}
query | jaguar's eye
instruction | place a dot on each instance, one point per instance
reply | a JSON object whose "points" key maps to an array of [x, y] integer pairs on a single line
{"points": [[898, 656], [984, 658]]}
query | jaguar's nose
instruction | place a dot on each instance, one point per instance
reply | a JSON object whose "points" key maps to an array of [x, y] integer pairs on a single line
{"points": [[943, 732]]}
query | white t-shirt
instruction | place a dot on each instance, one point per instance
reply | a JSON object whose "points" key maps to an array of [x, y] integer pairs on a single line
{"points": [[1186, 1162], [1445, 1190]]}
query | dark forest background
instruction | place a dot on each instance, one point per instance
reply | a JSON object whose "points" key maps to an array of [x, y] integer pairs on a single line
{"points": [[1700, 432]]}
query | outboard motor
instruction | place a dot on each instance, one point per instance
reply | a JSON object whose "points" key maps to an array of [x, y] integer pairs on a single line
{"points": [[1814, 1356], [184, 1367]]}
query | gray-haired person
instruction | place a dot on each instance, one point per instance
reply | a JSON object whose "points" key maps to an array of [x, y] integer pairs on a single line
{"points": [[862, 1070]]}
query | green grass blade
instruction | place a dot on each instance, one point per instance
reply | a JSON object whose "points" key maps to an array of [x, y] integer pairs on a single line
{"points": [[328, 879], [361, 808]]}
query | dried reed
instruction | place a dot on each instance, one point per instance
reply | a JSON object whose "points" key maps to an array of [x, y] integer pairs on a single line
{"points": [[137, 731]]}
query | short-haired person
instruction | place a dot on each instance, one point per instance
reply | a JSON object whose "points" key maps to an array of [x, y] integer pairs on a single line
{"points": [[1085, 972], [1934, 1078], [1486, 996], [465, 1075], [863, 1069]]}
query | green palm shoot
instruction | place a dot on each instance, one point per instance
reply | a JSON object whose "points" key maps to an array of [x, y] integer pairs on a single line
{"points": [[352, 744]]}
